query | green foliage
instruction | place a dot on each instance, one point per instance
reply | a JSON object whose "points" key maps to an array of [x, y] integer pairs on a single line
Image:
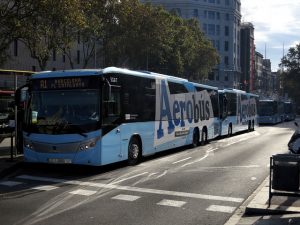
{"points": [[131, 34], [290, 77], [12, 13]]}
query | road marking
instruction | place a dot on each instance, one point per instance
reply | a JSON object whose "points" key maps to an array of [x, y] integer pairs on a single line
{"points": [[128, 178], [44, 188], [220, 208], [172, 203], [182, 160], [204, 157], [83, 192], [10, 183], [135, 189], [129, 198]]}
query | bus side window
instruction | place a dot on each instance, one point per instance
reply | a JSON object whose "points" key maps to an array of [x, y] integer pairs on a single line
{"points": [[111, 105]]}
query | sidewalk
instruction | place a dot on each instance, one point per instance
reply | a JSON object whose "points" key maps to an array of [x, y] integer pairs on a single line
{"points": [[283, 210], [8, 164]]}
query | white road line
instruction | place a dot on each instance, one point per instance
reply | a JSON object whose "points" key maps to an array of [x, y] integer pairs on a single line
{"points": [[129, 198], [83, 192], [135, 189], [172, 203], [10, 183], [44, 188], [128, 178], [182, 160], [220, 208], [187, 164]]}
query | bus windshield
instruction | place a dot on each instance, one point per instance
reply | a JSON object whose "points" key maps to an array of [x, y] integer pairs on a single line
{"points": [[267, 108], [64, 111]]}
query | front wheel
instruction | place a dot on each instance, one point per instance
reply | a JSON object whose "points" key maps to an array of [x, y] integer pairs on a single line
{"points": [[230, 131], [134, 151]]}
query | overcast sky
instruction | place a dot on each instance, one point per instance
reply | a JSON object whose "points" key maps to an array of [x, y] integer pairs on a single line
{"points": [[276, 24]]}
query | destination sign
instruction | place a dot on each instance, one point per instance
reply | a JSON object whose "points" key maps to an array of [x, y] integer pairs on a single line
{"points": [[64, 83]]}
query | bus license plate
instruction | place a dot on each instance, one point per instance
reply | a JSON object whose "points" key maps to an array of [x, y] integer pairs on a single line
{"points": [[60, 161]]}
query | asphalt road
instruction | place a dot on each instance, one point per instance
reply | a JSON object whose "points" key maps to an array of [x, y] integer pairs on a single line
{"points": [[204, 185]]}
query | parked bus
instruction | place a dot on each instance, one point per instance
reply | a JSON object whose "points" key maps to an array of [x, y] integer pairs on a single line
{"points": [[289, 111], [7, 110], [98, 117], [270, 111], [238, 111]]}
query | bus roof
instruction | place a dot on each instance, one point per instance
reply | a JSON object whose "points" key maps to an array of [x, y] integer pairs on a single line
{"points": [[204, 86], [99, 72]]}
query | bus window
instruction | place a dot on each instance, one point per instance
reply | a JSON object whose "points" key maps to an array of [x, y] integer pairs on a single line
{"points": [[111, 105]]}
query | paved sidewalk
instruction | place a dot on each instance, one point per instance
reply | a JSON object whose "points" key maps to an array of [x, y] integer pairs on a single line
{"points": [[283, 210], [8, 164]]}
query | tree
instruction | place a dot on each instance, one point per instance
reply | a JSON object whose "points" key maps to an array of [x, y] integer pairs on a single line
{"points": [[12, 13], [45, 31], [290, 76]]}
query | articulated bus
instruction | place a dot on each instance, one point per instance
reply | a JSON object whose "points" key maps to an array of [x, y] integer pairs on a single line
{"points": [[238, 111], [270, 111], [98, 117]]}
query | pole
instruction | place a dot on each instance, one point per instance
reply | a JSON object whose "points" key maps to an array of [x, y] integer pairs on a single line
{"points": [[16, 115]]}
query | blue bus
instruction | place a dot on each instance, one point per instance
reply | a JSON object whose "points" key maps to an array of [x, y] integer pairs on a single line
{"points": [[270, 111], [239, 111], [289, 111], [97, 117]]}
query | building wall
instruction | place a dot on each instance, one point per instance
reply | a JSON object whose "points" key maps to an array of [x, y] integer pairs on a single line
{"points": [[220, 20], [20, 59]]}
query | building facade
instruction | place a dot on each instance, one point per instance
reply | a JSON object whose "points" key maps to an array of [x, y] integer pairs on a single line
{"points": [[247, 57], [20, 59], [220, 20]]}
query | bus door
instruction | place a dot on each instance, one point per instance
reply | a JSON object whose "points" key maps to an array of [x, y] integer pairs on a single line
{"points": [[224, 114], [111, 121], [21, 102]]}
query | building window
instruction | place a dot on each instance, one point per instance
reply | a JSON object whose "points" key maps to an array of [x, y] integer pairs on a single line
{"points": [[227, 16], [218, 29], [218, 1], [226, 46], [211, 29], [226, 31], [205, 28], [205, 14], [226, 2], [211, 1], [218, 45], [226, 76], [211, 15], [33, 68], [196, 13], [16, 47], [218, 16], [78, 57], [226, 60]]}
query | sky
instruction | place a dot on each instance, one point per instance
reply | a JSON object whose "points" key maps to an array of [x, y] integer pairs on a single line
{"points": [[276, 24]]}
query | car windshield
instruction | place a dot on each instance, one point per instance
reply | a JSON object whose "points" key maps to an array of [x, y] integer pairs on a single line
{"points": [[64, 111]]}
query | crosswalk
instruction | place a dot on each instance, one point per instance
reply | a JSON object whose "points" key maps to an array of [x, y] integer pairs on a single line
{"points": [[85, 189]]}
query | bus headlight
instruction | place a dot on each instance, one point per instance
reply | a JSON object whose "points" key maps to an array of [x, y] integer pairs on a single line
{"points": [[91, 143], [28, 144]]}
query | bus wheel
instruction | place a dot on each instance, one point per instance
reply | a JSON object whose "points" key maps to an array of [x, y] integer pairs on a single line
{"points": [[229, 131], [204, 137], [196, 136], [134, 151]]}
